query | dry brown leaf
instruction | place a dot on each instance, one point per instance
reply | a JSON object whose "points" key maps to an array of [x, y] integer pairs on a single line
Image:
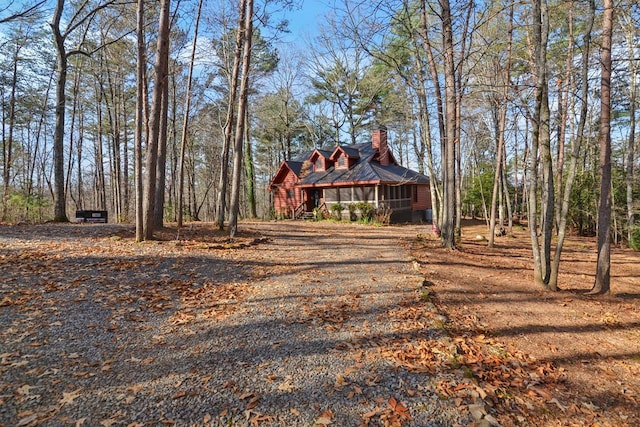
{"points": [[325, 418], [247, 395], [253, 402], [23, 422], [68, 398], [24, 390], [286, 385]]}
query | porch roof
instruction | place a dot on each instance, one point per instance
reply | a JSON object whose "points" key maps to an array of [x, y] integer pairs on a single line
{"points": [[363, 172]]}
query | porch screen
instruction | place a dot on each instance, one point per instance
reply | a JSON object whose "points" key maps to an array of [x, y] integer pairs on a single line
{"points": [[331, 195], [365, 194], [345, 194]]}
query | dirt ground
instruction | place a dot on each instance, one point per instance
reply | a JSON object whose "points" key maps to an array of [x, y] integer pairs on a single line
{"points": [[589, 344], [493, 344]]}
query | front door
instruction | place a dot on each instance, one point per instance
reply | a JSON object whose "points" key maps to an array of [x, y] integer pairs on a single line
{"points": [[314, 199]]}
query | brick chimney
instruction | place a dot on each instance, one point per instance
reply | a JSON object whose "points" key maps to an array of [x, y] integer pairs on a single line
{"points": [[379, 142]]}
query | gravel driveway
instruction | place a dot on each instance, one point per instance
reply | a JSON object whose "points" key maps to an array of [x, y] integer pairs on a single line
{"points": [[97, 330]]}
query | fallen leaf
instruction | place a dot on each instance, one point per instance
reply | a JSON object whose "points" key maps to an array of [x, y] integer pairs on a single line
{"points": [[24, 390], [286, 385], [325, 419], [558, 404], [68, 398], [253, 402], [27, 420], [247, 395]]}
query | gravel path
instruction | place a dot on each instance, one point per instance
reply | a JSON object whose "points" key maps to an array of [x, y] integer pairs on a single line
{"points": [[99, 331]]}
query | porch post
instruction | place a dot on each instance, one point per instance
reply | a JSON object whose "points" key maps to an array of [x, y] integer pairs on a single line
{"points": [[377, 195]]}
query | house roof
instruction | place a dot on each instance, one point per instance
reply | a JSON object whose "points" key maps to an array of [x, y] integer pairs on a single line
{"points": [[295, 166], [291, 165], [350, 151], [366, 169]]}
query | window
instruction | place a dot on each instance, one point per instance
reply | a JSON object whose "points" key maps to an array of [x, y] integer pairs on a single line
{"points": [[319, 166], [289, 194], [331, 195], [342, 162], [415, 193]]}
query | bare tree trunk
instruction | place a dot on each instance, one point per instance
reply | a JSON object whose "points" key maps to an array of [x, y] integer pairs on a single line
{"points": [[230, 121], [630, 34], [439, 202], [505, 189], [72, 126], [251, 177], [563, 106], [242, 108], [501, 129], [79, 163], [125, 163], [7, 147], [185, 123], [602, 282], [161, 163], [540, 145], [76, 21], [99, 184], [449, 154], [59, 209], [576, 144], [140, 118], [161, 66]]}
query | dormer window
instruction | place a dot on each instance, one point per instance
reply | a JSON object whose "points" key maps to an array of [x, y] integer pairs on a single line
{"points": [[319, 164], [342, 162]]}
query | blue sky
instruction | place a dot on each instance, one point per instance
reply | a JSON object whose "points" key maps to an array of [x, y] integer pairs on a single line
{"points": [[303, 23]]}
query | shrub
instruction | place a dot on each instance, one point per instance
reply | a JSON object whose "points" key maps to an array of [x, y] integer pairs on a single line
{"points": [[366, 211], [26, 207], [318, 214], [352, 211], [634, 243], [383, 215], [337, 209]]}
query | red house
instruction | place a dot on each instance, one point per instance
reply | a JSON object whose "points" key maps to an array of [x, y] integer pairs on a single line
{"points": [[348, 174]]}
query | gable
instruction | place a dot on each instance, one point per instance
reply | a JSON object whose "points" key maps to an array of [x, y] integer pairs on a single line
{"points": [[344, 157], [319, 161], [287, 172]]}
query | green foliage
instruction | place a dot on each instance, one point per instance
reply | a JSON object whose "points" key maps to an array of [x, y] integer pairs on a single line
{"points": [[481, 186], [583, 204], [366, 211], [337, 209], [634, 243], [319, 214], [26, 207], [352, 211]]}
